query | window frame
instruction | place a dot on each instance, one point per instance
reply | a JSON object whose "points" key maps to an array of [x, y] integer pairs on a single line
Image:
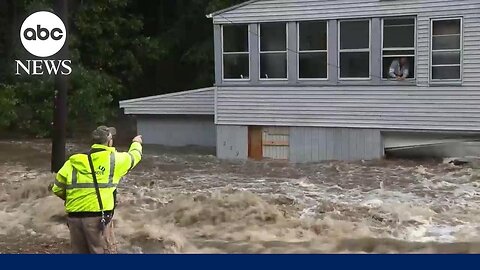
{"points": [[339, 50], [272, 52], [327, 22], [415, 45], [236, 53], [461, 50]]}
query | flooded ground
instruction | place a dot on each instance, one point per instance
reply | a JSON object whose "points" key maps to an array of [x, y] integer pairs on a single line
{"points": [[192, 203]]}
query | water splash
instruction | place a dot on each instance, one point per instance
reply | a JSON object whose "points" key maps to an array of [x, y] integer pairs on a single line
{"points": [[182, 203]]}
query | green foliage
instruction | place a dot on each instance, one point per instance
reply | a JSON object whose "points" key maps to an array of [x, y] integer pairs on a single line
{"points": [[120, 49], [8, 101], [91, 96], [109, 38], [27, 106], [33, 108], [215, 5]]}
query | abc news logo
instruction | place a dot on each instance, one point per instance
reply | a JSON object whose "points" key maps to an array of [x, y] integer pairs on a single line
{"points": [[43, 34]]}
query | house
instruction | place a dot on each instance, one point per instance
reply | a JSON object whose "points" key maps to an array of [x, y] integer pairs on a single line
{"points": [[309, 80]]}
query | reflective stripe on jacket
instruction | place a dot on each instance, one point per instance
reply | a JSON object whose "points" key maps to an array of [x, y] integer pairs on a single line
{"points": [[74, 181]]}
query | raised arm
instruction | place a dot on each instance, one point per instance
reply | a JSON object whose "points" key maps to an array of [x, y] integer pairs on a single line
{"points": [[128, 160]]}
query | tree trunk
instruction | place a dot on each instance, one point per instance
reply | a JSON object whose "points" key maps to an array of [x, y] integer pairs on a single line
{"points": [[60, 112]]}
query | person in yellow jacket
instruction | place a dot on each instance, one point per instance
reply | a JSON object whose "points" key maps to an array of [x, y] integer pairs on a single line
{"points": [[90, 198]]}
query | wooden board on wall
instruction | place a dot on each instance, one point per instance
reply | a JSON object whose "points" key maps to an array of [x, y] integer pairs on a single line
{"points": [[275, 143], [255, 143]]}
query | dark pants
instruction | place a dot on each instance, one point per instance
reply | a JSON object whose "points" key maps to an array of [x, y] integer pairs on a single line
{"points": [[87, 237]]}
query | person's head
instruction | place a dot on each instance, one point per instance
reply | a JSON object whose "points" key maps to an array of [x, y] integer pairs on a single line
{"points": [[104, 135], [403, 61]]}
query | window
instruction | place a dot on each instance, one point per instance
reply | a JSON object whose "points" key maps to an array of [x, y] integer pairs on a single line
{"points": [[398, 52], [273, 51], [354, 49], [236, 60], [446, 47], [312, 50]]}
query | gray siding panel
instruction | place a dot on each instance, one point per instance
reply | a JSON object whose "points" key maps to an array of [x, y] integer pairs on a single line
{"points": [[232, 142], [177, 130], [194, 102], [379, 107], [376, 51], [217, 41], [309, 144], [254, 50], [296, 143], [332, 40], [291, 53]]}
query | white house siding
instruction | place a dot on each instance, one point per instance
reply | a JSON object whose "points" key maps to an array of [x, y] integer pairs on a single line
{"points": [[193, 102], [378, 107]]}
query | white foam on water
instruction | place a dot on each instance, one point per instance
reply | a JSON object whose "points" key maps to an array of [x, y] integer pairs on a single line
{"points": [[190, 203]]}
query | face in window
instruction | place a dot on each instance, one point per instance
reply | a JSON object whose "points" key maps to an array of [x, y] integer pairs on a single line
{"points": [[398, 48]]}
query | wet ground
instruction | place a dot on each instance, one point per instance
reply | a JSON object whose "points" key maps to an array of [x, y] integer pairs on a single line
{"points": [[175, 202]]}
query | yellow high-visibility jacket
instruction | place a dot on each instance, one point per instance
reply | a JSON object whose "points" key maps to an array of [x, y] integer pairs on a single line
{"points": [[74, 181]]}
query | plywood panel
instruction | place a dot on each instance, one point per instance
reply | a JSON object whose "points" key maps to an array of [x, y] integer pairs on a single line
{"points": [[276, 142], [255, 142]]}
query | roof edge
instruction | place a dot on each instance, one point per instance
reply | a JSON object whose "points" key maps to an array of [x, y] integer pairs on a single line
{"points": [[211, 15], [128, 101]]}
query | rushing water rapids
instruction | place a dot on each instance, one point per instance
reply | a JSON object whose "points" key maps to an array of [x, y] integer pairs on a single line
{"points": [[183, 203]]}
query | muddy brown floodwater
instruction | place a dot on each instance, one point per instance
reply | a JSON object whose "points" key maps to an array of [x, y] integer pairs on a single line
{"points": [[192, 203]]}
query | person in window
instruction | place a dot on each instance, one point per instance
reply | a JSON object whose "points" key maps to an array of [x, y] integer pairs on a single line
{"points": [[399, 69]]}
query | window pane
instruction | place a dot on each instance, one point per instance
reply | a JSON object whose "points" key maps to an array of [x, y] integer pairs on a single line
{"points": [[313, 35], [446, 42], [446, 58], [387, 62], [235, 38], [313, 65], [445, 73], [354, 64], [398, 33], [354, 35], [235, 66], [273, 65], [446, 27], [273, 37]]}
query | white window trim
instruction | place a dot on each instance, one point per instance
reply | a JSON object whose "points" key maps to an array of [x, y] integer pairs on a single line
{"points": [[400, 49], [440, 81], [236, 53], [311, 51], [369, 50], [271, 52]]}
